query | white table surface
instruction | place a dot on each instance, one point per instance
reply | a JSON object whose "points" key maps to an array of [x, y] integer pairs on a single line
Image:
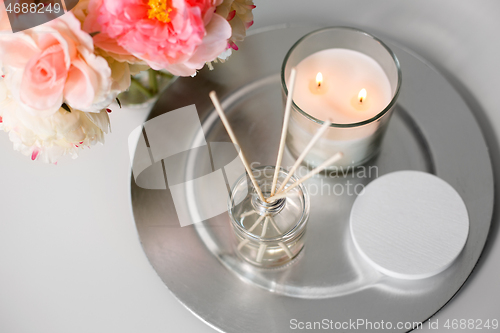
{"points": [[70, 258]]}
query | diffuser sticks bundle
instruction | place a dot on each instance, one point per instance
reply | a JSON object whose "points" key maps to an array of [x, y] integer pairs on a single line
{"points": [[278, 193]]}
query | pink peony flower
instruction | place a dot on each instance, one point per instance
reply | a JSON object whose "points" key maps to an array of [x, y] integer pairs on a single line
{"points": [[178, 35], [54, 64], [122, 65]]}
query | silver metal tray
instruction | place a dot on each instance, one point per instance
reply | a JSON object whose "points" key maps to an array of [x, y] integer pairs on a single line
{"points": [[432, 130]]}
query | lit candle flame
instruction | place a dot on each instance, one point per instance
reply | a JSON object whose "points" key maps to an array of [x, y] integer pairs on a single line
{"points": [[362, 95], [319, 79]]}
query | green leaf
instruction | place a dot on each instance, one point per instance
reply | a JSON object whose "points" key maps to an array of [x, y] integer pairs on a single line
{"points": [[92, 34]]}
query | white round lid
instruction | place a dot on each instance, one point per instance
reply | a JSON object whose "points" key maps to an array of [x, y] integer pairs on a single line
{"points": [[409, 224]]}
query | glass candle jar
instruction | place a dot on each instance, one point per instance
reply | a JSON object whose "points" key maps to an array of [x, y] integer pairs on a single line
{"points": [[357, 90], [268, 234]]}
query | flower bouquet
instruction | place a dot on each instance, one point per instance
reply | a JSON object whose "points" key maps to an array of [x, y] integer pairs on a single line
{"points": [[58, 79]]}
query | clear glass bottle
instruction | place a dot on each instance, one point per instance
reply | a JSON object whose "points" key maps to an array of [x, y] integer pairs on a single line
{"points": [[268, 234]]}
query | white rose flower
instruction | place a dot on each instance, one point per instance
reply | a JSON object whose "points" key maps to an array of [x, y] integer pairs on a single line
{"points": [[49, 138]]}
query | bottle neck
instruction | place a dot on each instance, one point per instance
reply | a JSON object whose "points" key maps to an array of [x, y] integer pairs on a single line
{"points": [[267, 208]]}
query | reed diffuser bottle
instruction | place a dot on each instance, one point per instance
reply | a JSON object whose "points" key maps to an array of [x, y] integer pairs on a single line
{"points": [[268, 234]]}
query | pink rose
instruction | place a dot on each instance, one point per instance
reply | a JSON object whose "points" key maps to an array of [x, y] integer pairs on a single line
{"points": [[54, 64], [179, 36]]}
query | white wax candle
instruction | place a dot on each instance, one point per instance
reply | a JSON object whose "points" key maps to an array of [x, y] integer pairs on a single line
{"points": [[345, 73]]}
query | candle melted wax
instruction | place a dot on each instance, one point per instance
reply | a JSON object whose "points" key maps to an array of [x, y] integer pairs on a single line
{"points": [[345, 73]]}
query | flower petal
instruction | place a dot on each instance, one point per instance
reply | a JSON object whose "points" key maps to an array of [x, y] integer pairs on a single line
{"points": [[79, 89], [214, 42]]}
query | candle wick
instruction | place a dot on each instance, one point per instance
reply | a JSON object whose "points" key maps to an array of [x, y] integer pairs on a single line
{"points": [[362, 96], [319, 84]]}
